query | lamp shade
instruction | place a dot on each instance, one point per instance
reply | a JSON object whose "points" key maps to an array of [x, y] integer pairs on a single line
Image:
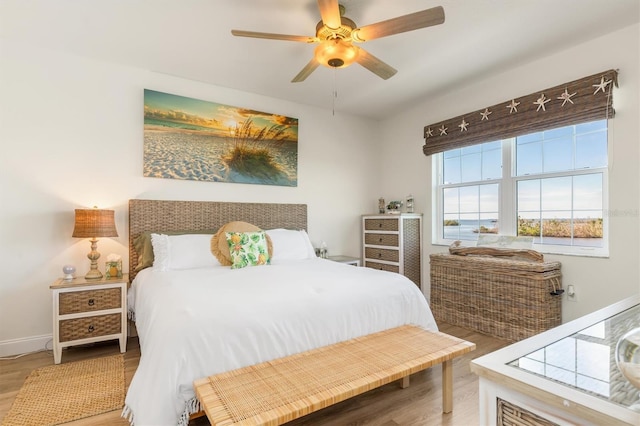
{"points": [[92, 223]]}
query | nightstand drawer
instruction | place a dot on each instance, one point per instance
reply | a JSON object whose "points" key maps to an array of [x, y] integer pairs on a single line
{"points": [[382, 254], [382, 266], [381, 239], [380, 225], [90, 300], [82, 328]]}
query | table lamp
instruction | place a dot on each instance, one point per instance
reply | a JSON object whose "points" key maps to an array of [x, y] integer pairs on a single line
{"points": [[94, 223]]}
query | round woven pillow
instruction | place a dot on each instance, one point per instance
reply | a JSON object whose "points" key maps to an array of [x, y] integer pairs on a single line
{"points": [[220, 247]]}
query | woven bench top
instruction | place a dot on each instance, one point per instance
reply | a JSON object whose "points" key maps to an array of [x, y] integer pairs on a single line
{"points": [[278, 391]]}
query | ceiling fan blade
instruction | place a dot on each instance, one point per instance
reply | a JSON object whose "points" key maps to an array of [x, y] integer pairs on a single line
{"points": [[330, 13], [375, 65], [272, 36], [401, 24], [306, 71]]}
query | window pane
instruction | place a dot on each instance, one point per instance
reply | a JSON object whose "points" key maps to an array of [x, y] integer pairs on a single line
{"points": [[529, 225], [528, 158], [565, 148], [469, 201], [451, 171], [473, 149], [450, 201], [558, 154], [529, 195], [532, 137], [471, 167], [556, 227], [452, 153], [489, 198], [558, 133], [591, 150], [591, 126], [451, 227], [588, 228], [470, 211], [587, 192], [569, 211], [556, 194], [473, 163], [492, 164]]}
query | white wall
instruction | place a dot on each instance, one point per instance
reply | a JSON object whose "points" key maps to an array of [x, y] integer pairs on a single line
{"points": [[598, 281], [71, 135]]}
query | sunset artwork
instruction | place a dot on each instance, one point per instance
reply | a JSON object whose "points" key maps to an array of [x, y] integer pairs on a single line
{"points": [[191, 139]]}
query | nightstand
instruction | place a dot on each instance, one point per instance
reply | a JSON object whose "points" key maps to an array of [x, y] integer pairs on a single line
{"points": [[345, 259], [87, 311]]}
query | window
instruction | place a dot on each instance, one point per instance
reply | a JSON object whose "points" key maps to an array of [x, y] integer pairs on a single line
{"points": [[549, 185]]}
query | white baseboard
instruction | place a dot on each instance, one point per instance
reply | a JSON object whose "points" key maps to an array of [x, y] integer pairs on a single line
{"points": [[13, 347]]}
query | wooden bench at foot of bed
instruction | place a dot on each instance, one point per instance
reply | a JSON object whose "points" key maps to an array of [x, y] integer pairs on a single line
{"points": [[278, 391]]}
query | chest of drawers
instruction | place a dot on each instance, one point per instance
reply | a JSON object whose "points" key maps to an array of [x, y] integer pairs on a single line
{"points": [[87, 311], [393, 243]]}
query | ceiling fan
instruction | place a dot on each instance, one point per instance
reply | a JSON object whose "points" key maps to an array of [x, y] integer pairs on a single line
{"points": [[336, 34]]}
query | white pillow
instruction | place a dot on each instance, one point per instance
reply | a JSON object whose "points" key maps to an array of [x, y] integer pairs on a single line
{"points": [[290, 244], [182, 251]]}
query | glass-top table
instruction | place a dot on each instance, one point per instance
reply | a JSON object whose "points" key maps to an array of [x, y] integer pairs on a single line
{"points": [[586, 360], [566, 375]]}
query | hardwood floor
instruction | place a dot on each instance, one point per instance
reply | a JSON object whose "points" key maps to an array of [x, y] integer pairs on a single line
{"points": [[419, 404]]}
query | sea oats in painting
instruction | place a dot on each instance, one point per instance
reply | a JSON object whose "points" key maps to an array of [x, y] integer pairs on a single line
{"points": [[191, 139]]}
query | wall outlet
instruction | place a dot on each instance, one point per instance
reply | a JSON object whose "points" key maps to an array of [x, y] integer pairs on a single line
{"points": [[571, 293]]}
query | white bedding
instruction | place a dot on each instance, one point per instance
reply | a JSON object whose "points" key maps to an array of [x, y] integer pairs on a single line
{"points": [[197, 322]]}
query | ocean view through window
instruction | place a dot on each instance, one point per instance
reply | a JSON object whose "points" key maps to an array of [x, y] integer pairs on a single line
{"points": [[549, 185]]}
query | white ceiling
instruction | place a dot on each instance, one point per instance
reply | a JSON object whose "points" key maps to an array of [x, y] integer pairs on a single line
{"points": [[192, 39]]}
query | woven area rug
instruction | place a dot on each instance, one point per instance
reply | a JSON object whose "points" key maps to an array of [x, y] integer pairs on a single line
{"points": [[65, 392]]}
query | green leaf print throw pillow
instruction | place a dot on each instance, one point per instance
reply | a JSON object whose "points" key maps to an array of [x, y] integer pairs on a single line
{"points": [[247, 249]]}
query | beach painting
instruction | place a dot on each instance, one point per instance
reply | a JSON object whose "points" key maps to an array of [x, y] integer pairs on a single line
{"points": [[191, 139]]}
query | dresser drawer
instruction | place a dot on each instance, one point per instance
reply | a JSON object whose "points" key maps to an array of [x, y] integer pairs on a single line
{"points": [[381, 224], [382, 266], [382, 254], [390, 240], [82, 328], [90, 300]]}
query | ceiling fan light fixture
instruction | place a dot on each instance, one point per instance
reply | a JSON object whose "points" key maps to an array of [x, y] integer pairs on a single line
{"points": [[336, 53]]}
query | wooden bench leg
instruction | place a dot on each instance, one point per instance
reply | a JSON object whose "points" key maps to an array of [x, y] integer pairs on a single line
{"points": [[447, 386], [404, 382]]}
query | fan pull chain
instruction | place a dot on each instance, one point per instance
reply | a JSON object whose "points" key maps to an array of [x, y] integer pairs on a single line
{"points": [[334, 94]]}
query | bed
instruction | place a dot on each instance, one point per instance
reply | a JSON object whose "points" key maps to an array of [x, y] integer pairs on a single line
{"points": [[201, 319]]}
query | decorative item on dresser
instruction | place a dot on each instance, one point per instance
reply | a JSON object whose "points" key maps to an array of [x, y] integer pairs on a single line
{"points": [[87, 311], [394, 243]]}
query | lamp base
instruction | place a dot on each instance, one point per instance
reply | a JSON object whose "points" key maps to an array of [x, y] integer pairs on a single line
{"points": [[93, 274]]}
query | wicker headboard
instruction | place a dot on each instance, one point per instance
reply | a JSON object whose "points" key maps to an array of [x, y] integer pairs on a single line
{"points": [[167, 216]]}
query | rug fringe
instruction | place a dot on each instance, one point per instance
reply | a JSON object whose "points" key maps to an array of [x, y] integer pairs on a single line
{"points": [[192, 407], [127, 414]]}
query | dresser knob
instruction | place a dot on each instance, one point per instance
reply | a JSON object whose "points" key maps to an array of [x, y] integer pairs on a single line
{"points": [[91, 328], [379, 255], [380, 239], [91, 302], [380, 225]]}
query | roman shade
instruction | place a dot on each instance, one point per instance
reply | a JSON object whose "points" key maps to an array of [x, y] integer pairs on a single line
{"points": [[587, 99]]}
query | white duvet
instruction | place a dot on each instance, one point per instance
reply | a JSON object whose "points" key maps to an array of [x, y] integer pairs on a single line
{"points": [[197, 322]]}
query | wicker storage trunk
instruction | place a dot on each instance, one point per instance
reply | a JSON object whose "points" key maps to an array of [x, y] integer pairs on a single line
{"points": [[506, 298]]}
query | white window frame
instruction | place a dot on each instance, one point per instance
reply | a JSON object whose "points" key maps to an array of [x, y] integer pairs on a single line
{"points": [[507, 205]]}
